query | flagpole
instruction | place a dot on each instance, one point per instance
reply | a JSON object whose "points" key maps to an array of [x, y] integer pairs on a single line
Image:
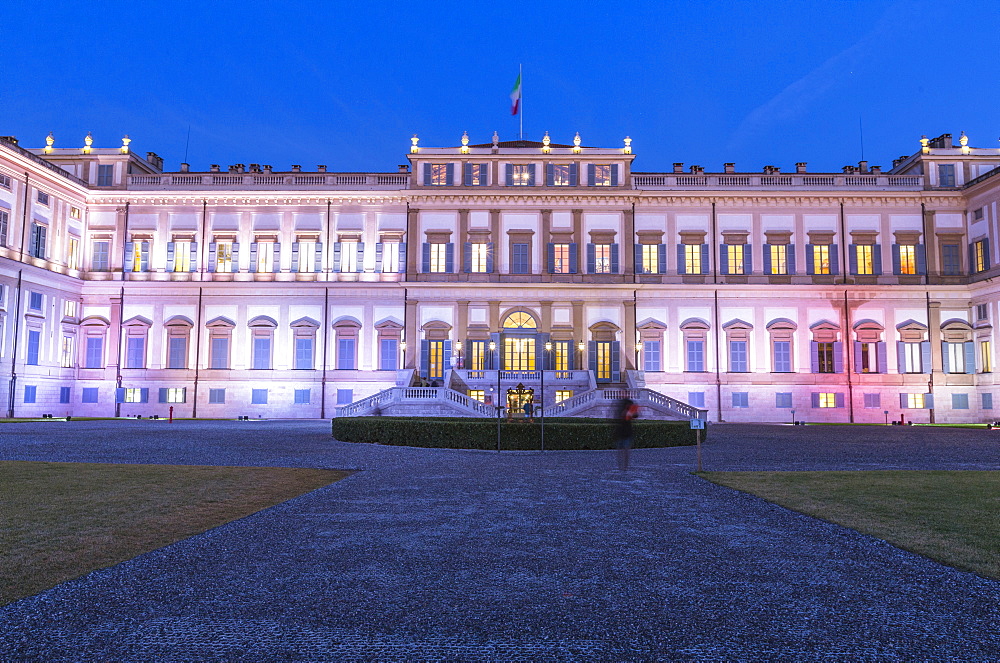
{"points": [[520, 74]]}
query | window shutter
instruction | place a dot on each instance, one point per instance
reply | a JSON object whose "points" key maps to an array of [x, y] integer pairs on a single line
{"points": [[253, 257], [144, 257], [591, 259], [425, 358], [236, 257], [446, 355], [550, 174], [877, 260], [295, 256], [425, 263], [969, 347], [897, 266], [857, 357], [945, 359], [591, 177], [337, 247], [276, 257], [550, 257], [129, 255], [170, 257], [900, 357], [852, 258], [815, 399], [542, 358], [427, 174], [402, 256], [489, 257], [531, 174], [986, 251], [318, 259], [747, 259], [592, 356], [194, 257], [120, 395], [614, 258], [616, 358], [614, 174], [880, 358], [810, 262], [637, 253], [928, 401], [360, 262], [144, 395], [450, 174], [661, 254], [838, 399], [834, 260], [814, 357], [212, 255], [972, 258], [767, 259], [681, 264], [925, 357], [903, 402], [574, 258], [838, 357], [378, 257], [449, 258], [33, 242], [509, 169], [723, 258], [467, 257], [921, 259], [704, 259], [493, 358], [163, 394], [467, 174], [574, 174], [790, 258]]}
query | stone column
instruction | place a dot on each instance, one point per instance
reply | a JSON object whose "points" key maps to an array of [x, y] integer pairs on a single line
{"points": [[412, 245], [627, 243], [412, 339], [628, 335], [934, 336]]}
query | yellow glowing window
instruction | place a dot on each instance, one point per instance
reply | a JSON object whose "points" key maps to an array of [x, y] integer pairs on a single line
{"points": [[866, 263], [478, 395], [522, 174], [560, 358], [734, 258], [650, 259], [477, 356], [439, 258], [73, 254], [986, 356], [692, 258], [390, 257], [907, 259], [915, 401], [69, 308], [439, 174], [827, 400], [779, 258], [519, 320], [133, 395], [602, 174], [979, 255], [265, 257], [182, 256], [137, 256], [175, 394], [821, 259], [603, 360], [562, 174], [224, 257], [518, 354], [435, 360], [563, 395], [66, 357], [480, 258]]}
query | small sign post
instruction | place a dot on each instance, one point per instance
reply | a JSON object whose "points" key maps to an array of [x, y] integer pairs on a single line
{"points": [[697, 425]]}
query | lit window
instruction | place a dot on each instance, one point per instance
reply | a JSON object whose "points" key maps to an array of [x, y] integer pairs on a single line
{"points": [[478, 395], [825, 352], [439, 174], [604, 357], [67, 353], [73, 253], [734, 258], [602, 259], [867, 357], [915, 401], [224, 257], [519, 354], [907, 259], [521, 174], [438, 258], [912, 362], [137, 256], [561, 262], [390, 257], [561, 351], [182, 256], [480, 257], [866, 264], [692, 258], [955, 357], [650, 259], [307, 256], [827, 400], [70, 308], [265, 257], [134, 395], [563, 395], [980, 256], [173, 394], [986, 356], [74, 212], [475, 174], [562, 174], [602, 174], [821, 259]]}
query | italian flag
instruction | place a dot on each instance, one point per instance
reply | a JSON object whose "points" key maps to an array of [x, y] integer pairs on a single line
{"points": [[515, 97]]}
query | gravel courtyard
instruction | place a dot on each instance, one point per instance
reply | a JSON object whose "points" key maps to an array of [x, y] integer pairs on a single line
{"points": [[444, 555]]}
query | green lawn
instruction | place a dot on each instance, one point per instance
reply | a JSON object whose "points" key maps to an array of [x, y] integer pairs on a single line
{"points": [[950, 516], [63, 520]]}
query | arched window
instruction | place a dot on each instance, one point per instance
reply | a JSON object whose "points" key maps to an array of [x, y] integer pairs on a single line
{"points": [[519, 320]]}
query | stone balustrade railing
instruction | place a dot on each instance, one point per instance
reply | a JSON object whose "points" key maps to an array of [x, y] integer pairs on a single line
{"points": [[268, 181]]}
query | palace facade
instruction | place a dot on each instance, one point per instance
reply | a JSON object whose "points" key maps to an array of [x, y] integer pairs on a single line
{"points": [[489, 273]]}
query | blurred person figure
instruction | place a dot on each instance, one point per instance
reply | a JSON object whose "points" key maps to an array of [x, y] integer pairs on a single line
{"points": [[625, 411]]}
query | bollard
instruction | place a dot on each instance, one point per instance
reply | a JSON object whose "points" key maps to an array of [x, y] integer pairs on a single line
{"points": [[171, 415]]}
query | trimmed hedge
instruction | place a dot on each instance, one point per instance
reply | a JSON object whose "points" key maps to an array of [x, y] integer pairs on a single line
{"points": [[470, 433]]}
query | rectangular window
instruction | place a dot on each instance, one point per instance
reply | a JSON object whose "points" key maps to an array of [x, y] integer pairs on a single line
{"points": [[741, 399], [821, 259], [946, 174], [307, 257], [987, 400], [477, 356], [827, 399], [173, 394], [950, 261], [69, 308], [29, 393], [42, 198], [604, 349], [73, 253], [65, 394], [560, 356], [982, 311], [651, 356], [738, 357], [825, 353], [216, 396], [783, 399], [36, 245], [562, 174], [135, 352], [390, 257], [475, 174], [478, 395], [220, 352], [301, 396], [696, 399], [74, 212], [258, 396], [265, 257], [864, 254], [561, 263], [692, 259], [34, 301], [650, 259], [734, 259], [978, 214], [89, 395], [521, 174], [345, 396], [873, 401], [348, 257], [34, 342], [304, 354], [262, 353], [95, 352], [68, 352], [99, 261], [438, 258], [601, 174], [602, 259], [105, 174], [912, 358], [779, 258], [439, 174], [182, 256], [4, 223], [782, 356], [519, 258], [563, 395], [136, 256], [388, 354], [223, 257], [5, 182], [907, 258], [696, 356], [867, 358], [980, 256], [346, 352], [959, 401], [134, 395], [914, 401], [954, 357], [986, 356], [177, 352], [479, 259]]}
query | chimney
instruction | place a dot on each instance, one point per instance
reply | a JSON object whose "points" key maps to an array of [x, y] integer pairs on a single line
{"points": [[296, 168], [863, 166], [215, 168], [800, 167], [232, 169], [678, 167], [255, 168], [267, 168], [185, 167], [729, 167], [697, 170], [404, 167], [771, 170], [321, 168], [9, 139], [876, 170], [155, 160], [850, 169]]}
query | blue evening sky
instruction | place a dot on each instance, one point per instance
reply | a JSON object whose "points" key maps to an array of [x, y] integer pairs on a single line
{"points": [[346, 84]]}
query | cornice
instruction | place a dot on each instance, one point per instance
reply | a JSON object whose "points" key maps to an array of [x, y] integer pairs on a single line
{"points": [[244, 200]]}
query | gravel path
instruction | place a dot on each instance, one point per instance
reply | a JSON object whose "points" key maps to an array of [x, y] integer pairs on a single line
{"points": [[442, 555]]}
